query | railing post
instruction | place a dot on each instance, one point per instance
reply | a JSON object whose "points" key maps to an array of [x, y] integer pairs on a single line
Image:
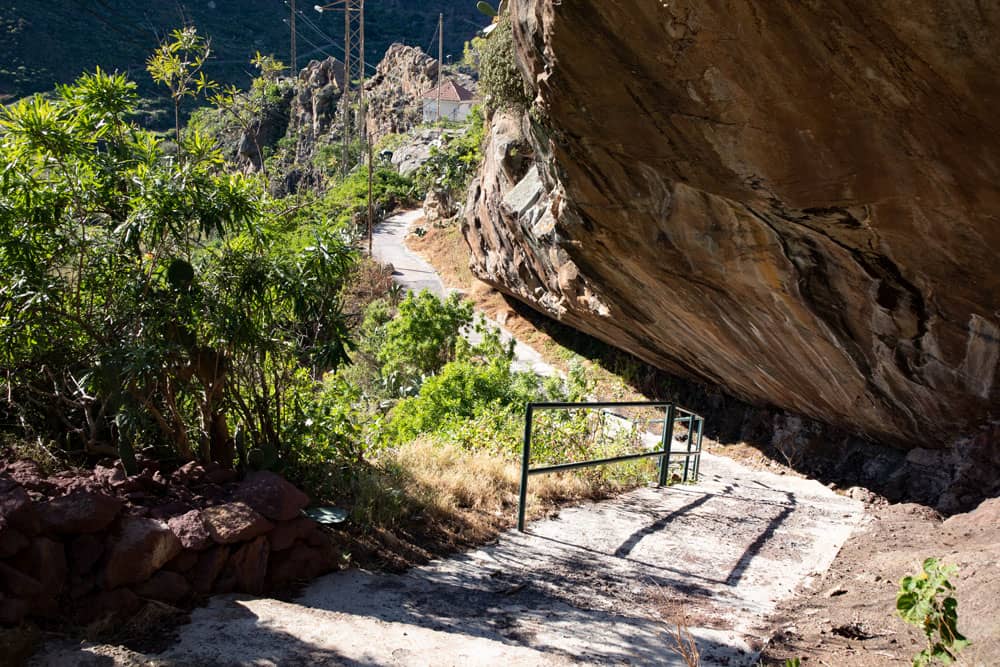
{"points": [[697, 459], [690, 441], [666, 441], [525, 460]]}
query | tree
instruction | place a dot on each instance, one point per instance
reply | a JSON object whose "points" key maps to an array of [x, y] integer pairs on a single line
{"points": [[177, 64], [147, 299], [247, 107]]}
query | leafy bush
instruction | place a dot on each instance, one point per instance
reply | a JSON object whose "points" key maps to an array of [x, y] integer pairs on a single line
{"points": [[347, 202], [926, 601], [500, 79], [423, 336], [148, 300], [452, 166]]}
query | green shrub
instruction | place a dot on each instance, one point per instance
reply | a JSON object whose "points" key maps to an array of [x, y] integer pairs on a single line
{"points": [[452, 166], [500, 79], [926, 601], [423, 336]]}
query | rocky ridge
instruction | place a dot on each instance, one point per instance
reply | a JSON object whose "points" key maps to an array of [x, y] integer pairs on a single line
{"points": [[797, 204]]}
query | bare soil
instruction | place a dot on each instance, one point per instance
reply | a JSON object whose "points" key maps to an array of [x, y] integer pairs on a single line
{"points": [[849, 618]]}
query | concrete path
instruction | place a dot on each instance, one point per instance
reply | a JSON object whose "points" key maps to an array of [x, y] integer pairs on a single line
{"points": [[599, 584], [414, 273]]}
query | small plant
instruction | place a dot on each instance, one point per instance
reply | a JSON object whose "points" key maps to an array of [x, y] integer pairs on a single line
{"points": [[685, 646], [926, 601], [177, 65]]}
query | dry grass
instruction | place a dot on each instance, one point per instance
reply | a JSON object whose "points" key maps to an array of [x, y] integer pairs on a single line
{"points": [[450, 484]]}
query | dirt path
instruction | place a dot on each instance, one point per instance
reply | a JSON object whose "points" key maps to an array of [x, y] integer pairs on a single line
{"points": [[603, 583]]}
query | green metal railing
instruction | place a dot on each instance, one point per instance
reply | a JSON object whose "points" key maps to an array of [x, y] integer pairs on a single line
{"points": [[672, 415]]}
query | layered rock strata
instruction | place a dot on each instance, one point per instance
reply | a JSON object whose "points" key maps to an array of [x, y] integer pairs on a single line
{"points": [[796, 202]]}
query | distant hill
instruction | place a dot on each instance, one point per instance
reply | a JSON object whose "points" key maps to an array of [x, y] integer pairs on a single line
{"points": [[45, 42]]}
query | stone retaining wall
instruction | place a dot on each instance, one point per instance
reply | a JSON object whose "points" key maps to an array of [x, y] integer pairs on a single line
{"points": [[77, 546]]}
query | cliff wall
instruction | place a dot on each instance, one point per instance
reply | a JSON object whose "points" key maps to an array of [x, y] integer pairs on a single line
{"points": [[797, 202]]}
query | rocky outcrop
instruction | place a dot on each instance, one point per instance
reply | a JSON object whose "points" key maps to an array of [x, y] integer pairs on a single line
{"points": [[395, 92], [797, 203]]}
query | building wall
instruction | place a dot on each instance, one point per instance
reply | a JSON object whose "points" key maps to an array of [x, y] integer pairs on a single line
{"points": [[457, 111]]}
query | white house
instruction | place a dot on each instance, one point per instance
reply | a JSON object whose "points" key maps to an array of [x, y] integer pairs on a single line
{"points": [[456, 102]]}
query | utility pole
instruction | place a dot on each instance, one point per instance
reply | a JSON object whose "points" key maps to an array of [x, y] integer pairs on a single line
{"points": [[354, 38], [295, 69], [354, 63], [440, 59]]}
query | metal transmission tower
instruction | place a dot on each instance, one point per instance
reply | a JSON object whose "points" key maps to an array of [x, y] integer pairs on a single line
{"points": [[291, 25], [354, 67]]}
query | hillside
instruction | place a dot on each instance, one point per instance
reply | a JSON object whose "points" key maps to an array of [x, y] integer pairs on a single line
{"points": [[43, 44]]}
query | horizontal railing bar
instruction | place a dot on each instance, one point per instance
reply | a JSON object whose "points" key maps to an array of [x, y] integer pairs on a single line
{"points": [[584, 464], [562, 405], [548, 405]]}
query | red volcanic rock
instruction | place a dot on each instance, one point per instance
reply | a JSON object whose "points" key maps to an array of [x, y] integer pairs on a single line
{"points": [[110, 477], [16, 508], [29, 475], [287, 532], [300, 562], [143, 546], [188, 474], [11, 541], [184, 561], [203, 575], [234, 522], [44, 560], [191, 530], [12, 610], [272, 495], [18, 583], [85, 551], [79, 512], [250, 565], [118, 603], [165, 586]]}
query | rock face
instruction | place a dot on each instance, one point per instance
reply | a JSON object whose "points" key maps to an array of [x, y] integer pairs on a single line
{"points": [[395, 92], [796, 202]]}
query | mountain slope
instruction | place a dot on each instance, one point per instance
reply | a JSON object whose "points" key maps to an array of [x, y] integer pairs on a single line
{"points": [[45, 43]]}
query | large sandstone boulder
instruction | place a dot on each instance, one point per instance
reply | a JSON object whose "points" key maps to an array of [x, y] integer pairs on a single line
{"points": [[796, 202]]}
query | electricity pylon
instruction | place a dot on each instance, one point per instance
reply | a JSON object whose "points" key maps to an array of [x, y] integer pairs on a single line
{"points": [[354, 64]]}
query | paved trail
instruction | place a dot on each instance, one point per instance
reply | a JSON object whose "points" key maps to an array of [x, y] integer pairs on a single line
{"points": [[591, 586], [414, 273]]}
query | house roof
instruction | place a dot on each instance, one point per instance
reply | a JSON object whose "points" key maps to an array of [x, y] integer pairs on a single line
{"points": [[450, 92]]}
